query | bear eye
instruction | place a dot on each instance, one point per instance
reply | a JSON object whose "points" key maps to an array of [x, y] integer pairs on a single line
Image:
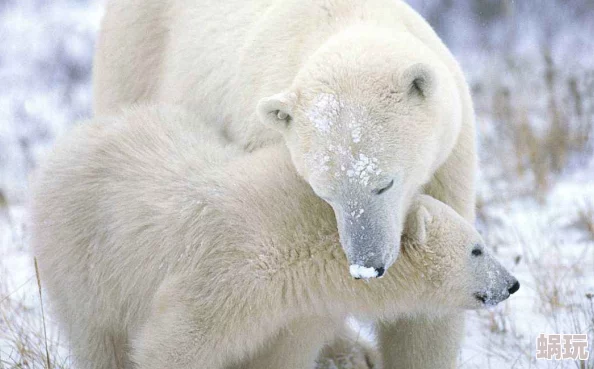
{"points": [[281, 115], [477, 251], [384, 189]]}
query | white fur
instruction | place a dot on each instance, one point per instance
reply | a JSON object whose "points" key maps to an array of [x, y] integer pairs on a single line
{"points": [[223, 57], [168, 248]]}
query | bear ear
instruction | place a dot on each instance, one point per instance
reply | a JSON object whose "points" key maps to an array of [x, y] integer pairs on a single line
{"points": [[418, 80], [417, 224], [276, 111]]}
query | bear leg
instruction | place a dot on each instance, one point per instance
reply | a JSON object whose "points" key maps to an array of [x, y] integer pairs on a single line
{"points": [[96, 348], [192, 326], [296, 347], [421, 342]]}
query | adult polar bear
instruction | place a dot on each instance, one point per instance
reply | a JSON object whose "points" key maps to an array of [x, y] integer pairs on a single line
{"points": [[333, 77]]}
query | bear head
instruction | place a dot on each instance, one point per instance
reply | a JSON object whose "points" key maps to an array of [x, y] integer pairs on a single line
{"points": [[447, 262], [368, 120]]}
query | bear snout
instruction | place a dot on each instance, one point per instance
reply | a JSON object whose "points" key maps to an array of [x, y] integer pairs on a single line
{"points": [[493, 297]]}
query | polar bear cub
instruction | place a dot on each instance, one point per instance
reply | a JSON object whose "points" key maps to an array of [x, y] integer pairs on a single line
{"points": [[166, 248]]}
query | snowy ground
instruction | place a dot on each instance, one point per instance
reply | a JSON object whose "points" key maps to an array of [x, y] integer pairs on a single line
{"points": [[554, 262], [538, 218]]}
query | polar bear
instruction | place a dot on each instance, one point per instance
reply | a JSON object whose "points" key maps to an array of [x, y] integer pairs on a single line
{"points": [[165, 248], [365, 95], [310, 65]]}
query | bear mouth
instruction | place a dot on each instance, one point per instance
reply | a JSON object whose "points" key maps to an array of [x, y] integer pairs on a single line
{"points": [[481, 297]]}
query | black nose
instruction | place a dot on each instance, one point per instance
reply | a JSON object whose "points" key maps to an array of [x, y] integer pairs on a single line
{"points": [[513, 289], [380, 271]]}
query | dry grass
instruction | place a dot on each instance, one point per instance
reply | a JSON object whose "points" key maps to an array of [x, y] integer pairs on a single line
{"points": [[541, 126], [47, 355], [536, 132], [3, 202], [558, 278], [584, 220], [25, 342], [556, 302]]}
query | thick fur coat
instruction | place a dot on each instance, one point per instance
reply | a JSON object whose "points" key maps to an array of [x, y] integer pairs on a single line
{"points": [[300, 66], [166, 248]]}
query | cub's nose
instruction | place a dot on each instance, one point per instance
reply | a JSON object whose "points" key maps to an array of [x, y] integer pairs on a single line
{"points": [[514, 288]]}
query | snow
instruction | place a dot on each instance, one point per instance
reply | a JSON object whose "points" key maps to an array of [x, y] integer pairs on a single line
{"points": [[45, 64], [362, 168], [357, 214], [340, 126], [555, 267], [324, 112], [358, 271]]}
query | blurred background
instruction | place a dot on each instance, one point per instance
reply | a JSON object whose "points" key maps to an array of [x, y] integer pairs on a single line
{"points": [[530, 65]]}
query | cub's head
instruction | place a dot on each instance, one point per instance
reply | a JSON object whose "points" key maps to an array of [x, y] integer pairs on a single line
{"points": [[448, 259], [368, 121]]}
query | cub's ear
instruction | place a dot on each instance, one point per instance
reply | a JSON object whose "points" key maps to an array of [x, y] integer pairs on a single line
{"points": [[418, 80], [417, 223], [276, 111]]}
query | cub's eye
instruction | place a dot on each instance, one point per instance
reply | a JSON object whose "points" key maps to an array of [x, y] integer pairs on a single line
{"points": [[477, 251], [384, 189]]}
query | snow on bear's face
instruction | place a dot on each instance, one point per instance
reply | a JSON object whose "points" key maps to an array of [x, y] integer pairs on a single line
{"points": [[366, 146], [449, 259]]}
